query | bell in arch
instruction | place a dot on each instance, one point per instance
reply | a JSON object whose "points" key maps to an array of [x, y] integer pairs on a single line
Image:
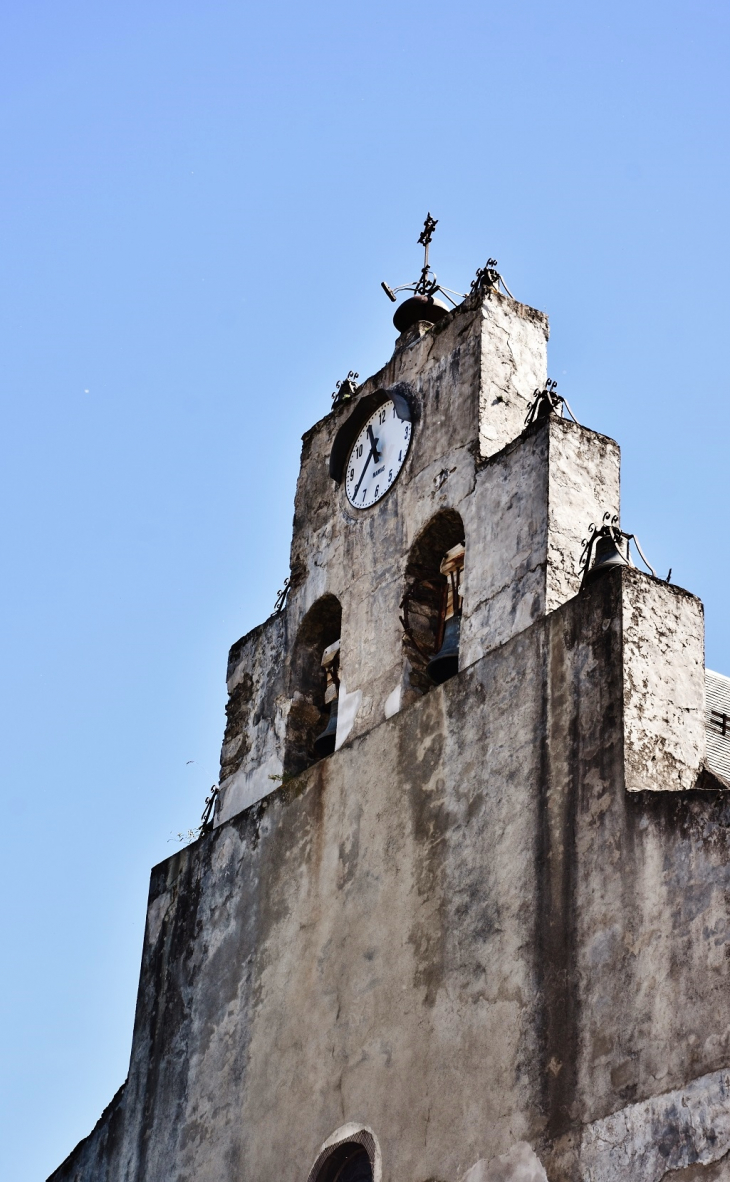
{"points": [[445, 663], [324, 744]]}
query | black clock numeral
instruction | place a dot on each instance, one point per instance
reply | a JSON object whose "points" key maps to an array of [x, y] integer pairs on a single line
{"points": [[382, 416], [407, 430], [390, 476], [364, 493], [352, 473], [358, 453], [377, 489], [400, 456]]}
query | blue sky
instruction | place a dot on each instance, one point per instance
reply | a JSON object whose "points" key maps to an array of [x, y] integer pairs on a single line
{"points": [[198, 204]]}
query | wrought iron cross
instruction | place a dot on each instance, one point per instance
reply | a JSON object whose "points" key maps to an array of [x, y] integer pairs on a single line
{"points": [[426, 284], [424, 240], [426, 235]]}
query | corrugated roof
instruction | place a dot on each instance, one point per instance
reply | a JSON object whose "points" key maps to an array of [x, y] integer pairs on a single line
{"points": [[717, 722]]}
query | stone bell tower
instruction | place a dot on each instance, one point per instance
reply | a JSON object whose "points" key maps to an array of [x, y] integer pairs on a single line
{"points": [[462, 910]]}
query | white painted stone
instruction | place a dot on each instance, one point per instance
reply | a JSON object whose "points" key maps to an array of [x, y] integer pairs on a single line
{"points": [[519, 1164], [650, 1140], [347, 708], [392, 702], [247, 787]]}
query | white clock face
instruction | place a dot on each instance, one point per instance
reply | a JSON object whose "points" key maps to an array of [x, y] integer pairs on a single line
{"points": [[377, 456]]}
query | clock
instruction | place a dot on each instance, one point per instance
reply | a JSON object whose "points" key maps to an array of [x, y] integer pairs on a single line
{"points": [[377, 455]]}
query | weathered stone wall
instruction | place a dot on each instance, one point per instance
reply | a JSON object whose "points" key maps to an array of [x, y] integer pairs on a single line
{"points": [[256, 710], [513, 368], [526, 511], [361, 558], [460, 930], [584, 474], [664, 686], [525, 520]]}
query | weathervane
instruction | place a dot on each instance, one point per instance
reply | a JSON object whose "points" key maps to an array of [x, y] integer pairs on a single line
{"points": [[422, 305]]}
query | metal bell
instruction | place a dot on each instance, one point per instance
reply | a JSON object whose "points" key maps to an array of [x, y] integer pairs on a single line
{"points": [[324, 744], [445, 663], [607, 555]]}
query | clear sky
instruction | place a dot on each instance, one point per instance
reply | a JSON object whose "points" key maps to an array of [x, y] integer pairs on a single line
{"points": [[198, 204]]}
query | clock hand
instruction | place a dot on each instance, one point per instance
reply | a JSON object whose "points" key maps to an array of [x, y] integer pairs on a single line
{"points": [[373, 454], [364, 469]]}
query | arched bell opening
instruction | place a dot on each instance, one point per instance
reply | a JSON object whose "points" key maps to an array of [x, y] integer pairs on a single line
{"points": [[432, 602], [314, 686]]}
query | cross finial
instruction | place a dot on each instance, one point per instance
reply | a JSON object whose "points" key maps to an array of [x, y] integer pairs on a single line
{"points": [[426, 285], [429, 226]]}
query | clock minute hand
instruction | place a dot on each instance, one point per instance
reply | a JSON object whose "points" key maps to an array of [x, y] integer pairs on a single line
{"points": [[373, 445], [364, 470]]}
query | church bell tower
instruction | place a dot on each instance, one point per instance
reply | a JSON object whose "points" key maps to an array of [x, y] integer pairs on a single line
{"points": [[460, 911]]}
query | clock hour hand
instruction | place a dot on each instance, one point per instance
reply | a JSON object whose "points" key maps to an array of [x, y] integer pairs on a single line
{"points": [[373, 445], [364, 470]]}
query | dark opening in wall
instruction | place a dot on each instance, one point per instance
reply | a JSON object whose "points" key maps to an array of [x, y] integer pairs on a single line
{"points": [[346, 1161], [349, 1163], [310, 683], [431, 605]]}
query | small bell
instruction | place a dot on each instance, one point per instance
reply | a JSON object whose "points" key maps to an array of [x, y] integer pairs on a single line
{"points": [[324, 744], [445, 663], [607, 555], [609, 546]]}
